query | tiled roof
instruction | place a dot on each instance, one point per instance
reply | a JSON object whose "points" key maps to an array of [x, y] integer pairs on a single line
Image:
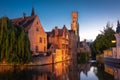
{"points": [[26, 22]]}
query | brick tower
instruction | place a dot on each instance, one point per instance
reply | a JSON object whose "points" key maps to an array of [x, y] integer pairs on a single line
{"points": [[75, 24]]}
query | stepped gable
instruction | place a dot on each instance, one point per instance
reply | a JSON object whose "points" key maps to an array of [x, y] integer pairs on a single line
{"points": [[52, 33], [26, 22]]}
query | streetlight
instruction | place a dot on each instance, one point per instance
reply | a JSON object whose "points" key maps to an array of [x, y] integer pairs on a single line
{"points": [[113, 41]]}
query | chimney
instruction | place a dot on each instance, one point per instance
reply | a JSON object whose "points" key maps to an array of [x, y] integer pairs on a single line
{"points": [[56, 30]]}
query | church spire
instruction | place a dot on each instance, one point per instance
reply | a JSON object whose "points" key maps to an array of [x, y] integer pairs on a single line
{"points": [[33, 12]]}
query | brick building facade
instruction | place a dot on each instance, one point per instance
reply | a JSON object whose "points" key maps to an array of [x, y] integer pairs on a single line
{"points": [[63, 42], [66, 40], [36, 33], [60, 39]]}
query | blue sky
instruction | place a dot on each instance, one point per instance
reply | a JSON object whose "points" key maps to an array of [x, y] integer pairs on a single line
{"points": [[93, 14]]}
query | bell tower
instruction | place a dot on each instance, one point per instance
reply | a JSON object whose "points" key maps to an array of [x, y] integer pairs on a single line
{"points": [[75, 24]]}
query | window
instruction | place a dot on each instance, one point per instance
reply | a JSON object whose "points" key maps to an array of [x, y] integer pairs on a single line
{"points": [[37, 29], [44, 40], [37, 22], [66, 36], [36, 48], [44, 48], [40, 40], [63, 46]]}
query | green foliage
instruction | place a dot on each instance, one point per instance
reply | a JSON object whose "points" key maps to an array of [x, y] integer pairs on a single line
{"points": [[82, 57], [14, 43], [103, 40]]}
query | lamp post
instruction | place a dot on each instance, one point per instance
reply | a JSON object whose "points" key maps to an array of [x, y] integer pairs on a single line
{"points": [[113, 41]]}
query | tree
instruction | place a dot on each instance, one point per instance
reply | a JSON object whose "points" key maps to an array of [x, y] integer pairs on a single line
{"points": [[103, 40], [14, 42]]}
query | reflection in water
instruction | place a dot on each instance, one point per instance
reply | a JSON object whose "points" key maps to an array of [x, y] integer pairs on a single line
{"points": [[90, 74], [59, 71], [112, 70]]}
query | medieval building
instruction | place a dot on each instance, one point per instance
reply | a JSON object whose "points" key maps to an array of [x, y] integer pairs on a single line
{"points": [[58, 44], [60, 39], [36, 33], [65, 41]]}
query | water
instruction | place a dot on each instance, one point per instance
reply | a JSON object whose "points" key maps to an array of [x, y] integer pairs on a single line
{"points": [[61, 71]]}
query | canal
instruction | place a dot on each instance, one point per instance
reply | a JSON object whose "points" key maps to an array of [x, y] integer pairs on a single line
{"points": [[61, 71]]}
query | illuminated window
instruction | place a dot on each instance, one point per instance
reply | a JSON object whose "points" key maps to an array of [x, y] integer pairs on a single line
{"points": [[66, 36]]}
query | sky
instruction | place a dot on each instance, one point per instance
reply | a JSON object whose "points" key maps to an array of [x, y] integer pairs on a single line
{"points": [[93, 14]]}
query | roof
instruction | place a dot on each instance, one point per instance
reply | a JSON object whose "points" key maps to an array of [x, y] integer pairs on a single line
{"points": [[71, 31], [49, 33], [26, 22], [60, 32]]}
